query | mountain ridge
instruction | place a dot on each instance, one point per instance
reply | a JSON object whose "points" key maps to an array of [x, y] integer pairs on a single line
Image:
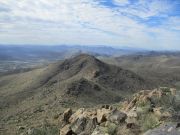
{"points": [[58, 76]]}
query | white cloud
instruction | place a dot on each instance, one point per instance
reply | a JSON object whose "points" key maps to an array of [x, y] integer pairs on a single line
{"points": [[121, 2], [173, 23], [84, 22], [147, 8]]}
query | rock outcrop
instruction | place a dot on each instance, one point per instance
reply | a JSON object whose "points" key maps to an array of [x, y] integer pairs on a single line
{"points": [[148, 109], [90, 121]]}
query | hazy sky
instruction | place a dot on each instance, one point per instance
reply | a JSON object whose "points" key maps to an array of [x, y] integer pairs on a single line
{"points": [[153, 24]]}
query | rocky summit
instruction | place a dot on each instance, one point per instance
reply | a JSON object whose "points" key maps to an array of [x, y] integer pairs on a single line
{"points": [[149, 112]]}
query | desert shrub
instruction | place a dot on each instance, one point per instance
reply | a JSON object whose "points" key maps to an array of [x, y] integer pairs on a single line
{"points": [[51, 130], [145, 106], [165, 89], [149, 121], [56, 116], [177, 101], [112, 128]]}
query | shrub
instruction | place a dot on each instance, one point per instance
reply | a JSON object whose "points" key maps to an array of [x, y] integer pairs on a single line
{"points": [[149, 121], [112, 128], [51, 130]]}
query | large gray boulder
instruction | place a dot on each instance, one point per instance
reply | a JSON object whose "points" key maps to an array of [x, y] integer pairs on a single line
{"points": [[168, 129], [117, 117]]}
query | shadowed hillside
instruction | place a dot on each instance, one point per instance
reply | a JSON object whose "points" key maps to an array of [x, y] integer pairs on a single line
{"points": [[163, 68], [72, 77]]}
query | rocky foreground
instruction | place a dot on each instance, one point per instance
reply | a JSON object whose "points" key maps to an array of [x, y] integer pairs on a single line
{"points": [[150, 112]]}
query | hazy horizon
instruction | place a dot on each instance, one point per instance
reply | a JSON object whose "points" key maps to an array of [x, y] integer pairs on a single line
{"points": [[92, 46]]}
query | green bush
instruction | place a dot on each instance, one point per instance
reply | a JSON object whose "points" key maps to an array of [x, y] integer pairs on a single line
{"points": [[51, 130], [112, 128], [149, 121]]}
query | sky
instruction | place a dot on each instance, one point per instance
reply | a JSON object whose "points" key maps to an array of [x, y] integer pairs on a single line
{"points": [[150, 24]]}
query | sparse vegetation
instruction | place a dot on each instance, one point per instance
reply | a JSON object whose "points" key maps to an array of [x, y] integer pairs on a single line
{"points": [[111, 128], [149, 121], [84, 81]]}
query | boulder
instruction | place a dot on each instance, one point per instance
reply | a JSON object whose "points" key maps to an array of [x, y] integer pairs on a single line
{"points": [[66, 130], [168, 129], [30, 131], [76, 115], [173, 91], [131, 104], [90, 126], [79, 125], [67, 114], [90, 113], [156, 93], [131, 122], [132, 118], [102, 115], [84, 125], [117, 117], [132, 113], [83, 121]]}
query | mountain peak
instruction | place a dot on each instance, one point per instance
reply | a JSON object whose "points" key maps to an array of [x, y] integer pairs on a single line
{"points": [[86, 57], [82, 62]]}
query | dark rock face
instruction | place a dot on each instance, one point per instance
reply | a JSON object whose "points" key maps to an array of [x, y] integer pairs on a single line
{"points": [[91, 125], [168, 129], [84, 126], [81, 86], [93, 74], [79, 125], [67, 114]]}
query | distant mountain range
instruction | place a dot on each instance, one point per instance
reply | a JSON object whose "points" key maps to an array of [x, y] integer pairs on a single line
{"points": [[15, 52]]}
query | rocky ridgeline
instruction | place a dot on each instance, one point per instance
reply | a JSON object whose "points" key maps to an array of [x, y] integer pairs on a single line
{"points": [[149, 113]]}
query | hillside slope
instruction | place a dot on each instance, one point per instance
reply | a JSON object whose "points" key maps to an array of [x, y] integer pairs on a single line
{"points": [[161, 68], [72, 77], [30, 97]]}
